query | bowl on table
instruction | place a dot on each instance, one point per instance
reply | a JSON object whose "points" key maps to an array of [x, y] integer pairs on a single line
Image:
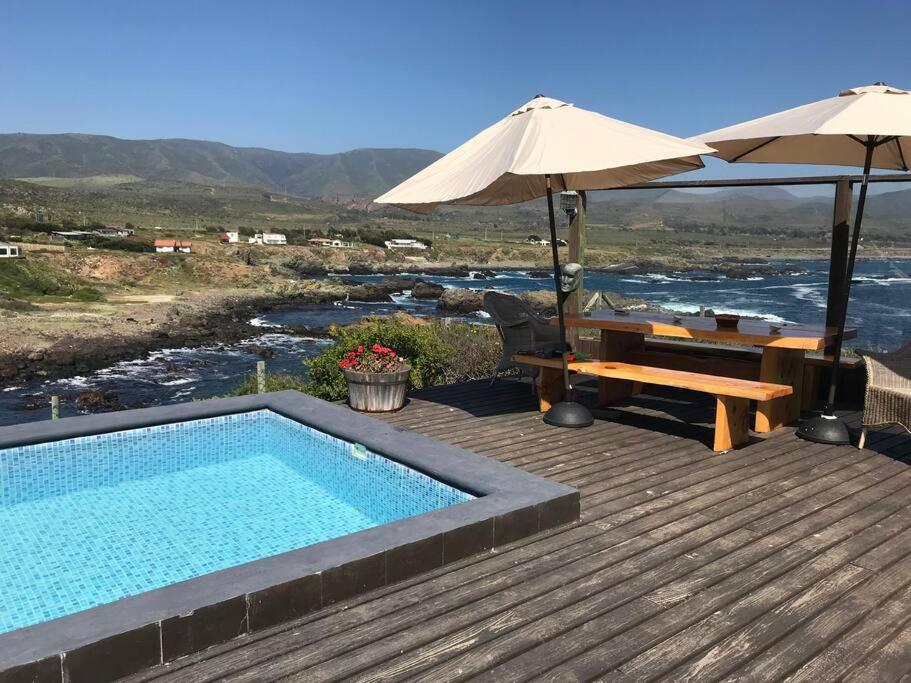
{"points": [[727, 320]]}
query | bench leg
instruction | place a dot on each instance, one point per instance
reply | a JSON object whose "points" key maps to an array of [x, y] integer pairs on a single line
{"points": [[732, 422], [809, 393], [614, 346], [780, 366], [550, 388]]}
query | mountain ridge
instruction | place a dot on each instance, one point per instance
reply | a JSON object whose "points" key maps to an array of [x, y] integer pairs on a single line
{"points": [[363, 172]]}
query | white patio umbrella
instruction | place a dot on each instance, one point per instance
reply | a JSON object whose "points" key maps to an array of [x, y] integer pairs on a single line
{"points": [[868, 126], [544, 146]]}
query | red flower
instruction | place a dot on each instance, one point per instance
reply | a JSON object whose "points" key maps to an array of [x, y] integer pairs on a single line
{"points": [[360, 349]]}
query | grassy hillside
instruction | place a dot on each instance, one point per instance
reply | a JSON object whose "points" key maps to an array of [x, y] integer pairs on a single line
{"points": [[35, 277]]}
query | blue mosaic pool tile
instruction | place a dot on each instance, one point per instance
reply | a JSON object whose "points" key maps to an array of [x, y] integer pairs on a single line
{"points": [[87, 521]]}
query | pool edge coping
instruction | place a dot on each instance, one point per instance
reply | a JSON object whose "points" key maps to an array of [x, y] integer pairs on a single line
{"points": [[157, 626]]}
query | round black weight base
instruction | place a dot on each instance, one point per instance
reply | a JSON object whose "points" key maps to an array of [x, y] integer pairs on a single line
{"points": [[826, 429], [568, 414]]}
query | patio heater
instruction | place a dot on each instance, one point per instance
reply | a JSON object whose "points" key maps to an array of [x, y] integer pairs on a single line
{"points": [[566, 413]]}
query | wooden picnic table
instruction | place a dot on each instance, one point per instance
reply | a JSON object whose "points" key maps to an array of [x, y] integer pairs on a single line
{"points": [[783, 351]]}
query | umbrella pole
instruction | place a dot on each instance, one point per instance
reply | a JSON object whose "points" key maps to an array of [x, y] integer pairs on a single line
{"points": [[566, 413], [827, 428]]}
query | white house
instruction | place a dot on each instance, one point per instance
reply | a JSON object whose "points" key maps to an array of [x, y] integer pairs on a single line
{"points": [[405, 244], [268, 238], [8, 250], [170, 246], [229, 237], [114, 232], [326, 242]]}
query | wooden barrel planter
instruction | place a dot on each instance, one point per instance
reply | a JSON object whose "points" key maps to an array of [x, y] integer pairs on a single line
{"points": [[377, 392]]}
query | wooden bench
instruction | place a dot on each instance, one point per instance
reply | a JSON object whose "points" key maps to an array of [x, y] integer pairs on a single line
{"points": [[732, 395], [741, 362]]}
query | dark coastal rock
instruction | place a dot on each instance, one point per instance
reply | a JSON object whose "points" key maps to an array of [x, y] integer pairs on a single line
{"points": [[539, 274], [261, 351], [368, 292], [464, 301], [397, 284], [98, 401], [302, 266], [426, 290], [542, 302], [457, 300], [360, 269], [483, 274]]}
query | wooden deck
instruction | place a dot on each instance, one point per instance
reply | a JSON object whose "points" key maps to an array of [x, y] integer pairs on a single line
{"points": [[782, 559]]}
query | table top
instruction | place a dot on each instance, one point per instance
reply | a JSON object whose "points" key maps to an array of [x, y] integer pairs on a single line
{"points": [[747, 332]]}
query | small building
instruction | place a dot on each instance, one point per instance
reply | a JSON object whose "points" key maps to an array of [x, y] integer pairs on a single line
{"points": [[327, 242], [114, 232], [229, 237], [70, 235], [171, 246], [405, 244], [9, 250], [273, 238]]}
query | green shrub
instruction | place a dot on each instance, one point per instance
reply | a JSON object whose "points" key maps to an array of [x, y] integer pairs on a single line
{"points": [[275, 381], [419, 344], [120, 244], [437, 353], [87, 294], [477, 351]]}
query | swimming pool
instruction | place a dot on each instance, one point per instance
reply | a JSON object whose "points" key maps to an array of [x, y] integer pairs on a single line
{"points": [[91, 520], [136, 537]]}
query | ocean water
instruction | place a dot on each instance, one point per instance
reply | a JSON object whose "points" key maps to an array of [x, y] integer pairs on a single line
{"points": [[880, 308], [88, 521]]}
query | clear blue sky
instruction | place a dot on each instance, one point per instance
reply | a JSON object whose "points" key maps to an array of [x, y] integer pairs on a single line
{"points": [[332, 76]]}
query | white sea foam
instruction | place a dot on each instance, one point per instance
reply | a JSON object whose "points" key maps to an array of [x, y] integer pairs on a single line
{"points": [[260, 322], [78, 382], [178, 382], [884, 281], [811, 293]]}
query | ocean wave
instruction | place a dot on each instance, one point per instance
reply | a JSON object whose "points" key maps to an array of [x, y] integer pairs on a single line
{"points": [[262, 322], [77, 382], [178, 382], [884, 280], [811, 293]]}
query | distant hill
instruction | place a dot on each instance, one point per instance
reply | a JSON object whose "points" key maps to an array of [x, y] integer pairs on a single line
{"points": [[358, 173]]}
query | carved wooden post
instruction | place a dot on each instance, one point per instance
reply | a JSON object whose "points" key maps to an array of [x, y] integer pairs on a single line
{"points": [[576, 242], [261, 377], [838, 259]]}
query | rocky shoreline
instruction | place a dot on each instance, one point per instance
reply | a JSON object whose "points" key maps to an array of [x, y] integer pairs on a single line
{"points": [[735, 269], [226, 319]]}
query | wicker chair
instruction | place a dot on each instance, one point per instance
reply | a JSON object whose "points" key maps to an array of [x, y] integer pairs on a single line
{"points": [[888, 396], [521, 330]]}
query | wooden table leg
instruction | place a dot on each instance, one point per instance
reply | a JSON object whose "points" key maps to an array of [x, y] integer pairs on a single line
{"points": [[550, 388], [780, 366], [614, 346], [732, 422]]}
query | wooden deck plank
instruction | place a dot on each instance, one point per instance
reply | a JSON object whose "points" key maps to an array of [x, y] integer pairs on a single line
{"points": [[682, 554]]}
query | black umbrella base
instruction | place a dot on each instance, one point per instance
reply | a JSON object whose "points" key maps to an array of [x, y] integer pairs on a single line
{"points": [[826, 429], [569, 414]]}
